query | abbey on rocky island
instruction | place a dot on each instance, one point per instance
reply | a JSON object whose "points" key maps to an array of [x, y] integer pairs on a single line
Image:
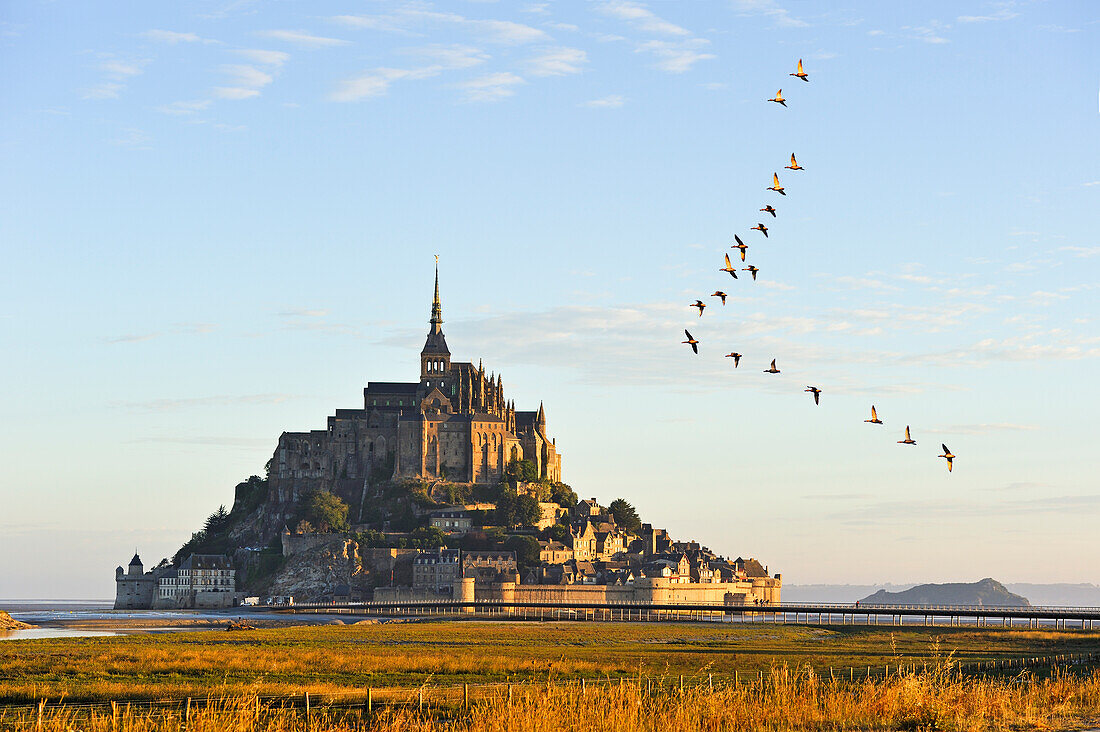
{"points": [[454, 424]]}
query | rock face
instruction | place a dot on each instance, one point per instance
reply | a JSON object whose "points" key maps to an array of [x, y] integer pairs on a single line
{"points": [[7, 622], [987, 592], [315, 569]]}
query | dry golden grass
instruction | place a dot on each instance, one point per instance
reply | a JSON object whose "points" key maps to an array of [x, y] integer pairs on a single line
{"points": [[327, 660], [786, 700]]}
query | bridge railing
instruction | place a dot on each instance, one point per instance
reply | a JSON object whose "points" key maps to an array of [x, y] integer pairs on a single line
{"points": [[786, 607]]}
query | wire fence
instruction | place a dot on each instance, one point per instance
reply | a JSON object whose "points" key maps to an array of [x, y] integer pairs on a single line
{"points": [[445, 698]]}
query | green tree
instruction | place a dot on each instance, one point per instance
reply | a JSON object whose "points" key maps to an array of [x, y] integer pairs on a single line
{"points": [[625, 515], [428, 537], [326, 512], [557, 532], [516, 510], [563, 495], [526, 549], [528, 512]]}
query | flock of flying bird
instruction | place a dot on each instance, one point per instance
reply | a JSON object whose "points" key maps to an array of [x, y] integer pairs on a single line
{"points": [[731, 270]]}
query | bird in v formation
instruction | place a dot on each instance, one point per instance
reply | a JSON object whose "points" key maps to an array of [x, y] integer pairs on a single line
{"points": [[799, 73]]}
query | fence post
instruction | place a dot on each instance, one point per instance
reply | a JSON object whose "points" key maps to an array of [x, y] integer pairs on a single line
{"points": [[370, 699], [309, 720], [584, 689], [187, 711], [41, 705], [114, 715], [420, 698], [710, 681], [681, 683], [509, 695], [465, 696]]}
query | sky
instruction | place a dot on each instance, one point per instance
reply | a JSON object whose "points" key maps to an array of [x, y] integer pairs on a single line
{"points": [[219, 220]]}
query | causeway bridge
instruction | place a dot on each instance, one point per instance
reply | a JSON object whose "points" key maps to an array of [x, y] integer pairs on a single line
{"points": [[978, 616]]}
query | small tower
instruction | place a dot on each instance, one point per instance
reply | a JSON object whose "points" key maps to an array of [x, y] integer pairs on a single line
{"points": [[435, 359], [135, 569], [540, 420]]}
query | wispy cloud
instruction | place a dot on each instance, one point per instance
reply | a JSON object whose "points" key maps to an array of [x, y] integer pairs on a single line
{"points": [[260, 56], [769, 8], [247, 81], [106, 90], [1081, 251], [641, 18], [491, 87], [676, 57], [301, 38], [170, 37], [557, 62], [184, 108], [611, 101], [134, 139], [132, 338], [303, 313], [1002, 14], [122, 69], [177, 329], [504, 32], [931, 33], [376, 82]]}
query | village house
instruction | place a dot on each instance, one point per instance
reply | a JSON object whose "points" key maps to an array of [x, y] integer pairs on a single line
{"points": [[451, 520], [437, 571]]}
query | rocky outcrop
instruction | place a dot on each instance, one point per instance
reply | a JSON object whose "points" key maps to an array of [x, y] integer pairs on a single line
{"points": [[987, 592], [314, 570], [7, 622]]}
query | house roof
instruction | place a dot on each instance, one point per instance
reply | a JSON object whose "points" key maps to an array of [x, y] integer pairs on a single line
{"points": [[391, 387], [206, 561]]}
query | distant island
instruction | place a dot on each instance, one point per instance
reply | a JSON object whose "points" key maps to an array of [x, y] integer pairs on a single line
{"points": [[988, 592]]}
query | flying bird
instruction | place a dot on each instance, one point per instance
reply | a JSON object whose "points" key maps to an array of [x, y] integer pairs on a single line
{"points": [[751, 270], [740, 245], [874, 416], [908, 440], [948, 456], [769, 209], [816, 392], [775, 185], [794, 164], [699, 304], [800, 73], [736, 358], [773, 369], [691, 341], [719, 293], [779, 98], [762, 229], [729, 268]]}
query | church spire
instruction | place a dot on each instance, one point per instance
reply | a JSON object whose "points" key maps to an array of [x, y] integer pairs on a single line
{"points": [[435, 359], [437, 308]]}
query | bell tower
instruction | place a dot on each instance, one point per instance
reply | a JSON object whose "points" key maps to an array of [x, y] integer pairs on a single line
{"points": [[435, 359]]}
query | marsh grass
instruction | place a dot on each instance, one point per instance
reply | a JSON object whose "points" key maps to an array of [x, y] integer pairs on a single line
{"points": [[786, 699], [335, 660]]}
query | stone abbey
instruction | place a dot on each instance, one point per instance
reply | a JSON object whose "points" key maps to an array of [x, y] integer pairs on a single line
{"points": [[454, 423]]}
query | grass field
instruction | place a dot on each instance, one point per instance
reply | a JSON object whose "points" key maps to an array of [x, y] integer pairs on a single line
{"points": [[785, 699], [336, 659]]}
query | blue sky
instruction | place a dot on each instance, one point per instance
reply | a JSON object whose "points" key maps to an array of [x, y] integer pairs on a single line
{"points": [[219, 221]]}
